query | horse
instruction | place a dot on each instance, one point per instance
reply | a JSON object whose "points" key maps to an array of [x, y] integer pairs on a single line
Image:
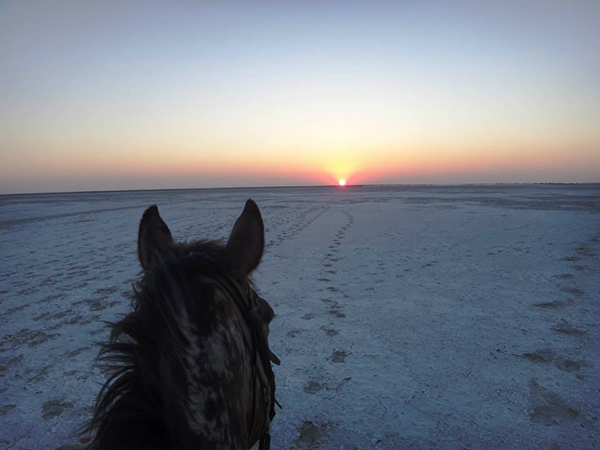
{"points": [[190, 367]]}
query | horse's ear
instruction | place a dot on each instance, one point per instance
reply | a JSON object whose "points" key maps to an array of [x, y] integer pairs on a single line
{"points": [[154, 236], [247, 241]]}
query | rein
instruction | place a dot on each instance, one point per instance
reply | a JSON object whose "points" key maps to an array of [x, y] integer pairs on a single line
{"points": [[259, 344]]}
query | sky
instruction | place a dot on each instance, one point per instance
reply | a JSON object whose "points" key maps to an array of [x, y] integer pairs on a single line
{"points": [[110, 95]]}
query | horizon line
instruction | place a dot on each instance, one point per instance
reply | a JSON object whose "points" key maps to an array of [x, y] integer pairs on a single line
{"points": [[305, 186]]}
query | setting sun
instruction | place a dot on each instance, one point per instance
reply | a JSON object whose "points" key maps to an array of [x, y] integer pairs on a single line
{"points": [[342, 182]]}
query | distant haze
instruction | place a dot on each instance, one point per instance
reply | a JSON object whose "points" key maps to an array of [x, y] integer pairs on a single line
{"points": [[101, 95]]}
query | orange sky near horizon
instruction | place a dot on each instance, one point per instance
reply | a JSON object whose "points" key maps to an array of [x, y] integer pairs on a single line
{"points": [[299, 168]]}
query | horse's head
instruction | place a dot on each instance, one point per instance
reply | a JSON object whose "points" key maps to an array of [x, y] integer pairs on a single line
{"points": [[240, 256], [191, 361]]}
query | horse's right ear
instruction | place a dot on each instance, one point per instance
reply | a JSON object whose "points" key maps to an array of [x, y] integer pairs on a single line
{"points": [[153, 238], [247, 241]]}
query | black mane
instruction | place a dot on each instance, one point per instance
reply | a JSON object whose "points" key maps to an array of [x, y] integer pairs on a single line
{"points": [[140, 405]]}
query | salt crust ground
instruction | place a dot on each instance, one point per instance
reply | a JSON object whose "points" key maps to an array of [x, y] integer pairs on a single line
{"points": [[407, 317]]}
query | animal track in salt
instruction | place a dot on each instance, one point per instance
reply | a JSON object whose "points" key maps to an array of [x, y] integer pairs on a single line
{"points": [[549, 356], [54, 408], [573, 291], [294, 332], [312, 387], [564, 276], [336, 313], [330, 331], [569, 330], [571, 258], [550, 305], [549, 408], [339, 356], [310, 434]]}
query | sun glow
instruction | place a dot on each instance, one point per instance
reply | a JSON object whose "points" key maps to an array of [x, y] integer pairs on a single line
{"points": [[342, 182]]}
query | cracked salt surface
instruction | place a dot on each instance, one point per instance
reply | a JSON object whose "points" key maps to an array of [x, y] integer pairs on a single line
{"points": [[406, 317]]}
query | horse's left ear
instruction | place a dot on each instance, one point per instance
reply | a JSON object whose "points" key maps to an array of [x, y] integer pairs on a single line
{"points": [[247, 241], [154, 236]]}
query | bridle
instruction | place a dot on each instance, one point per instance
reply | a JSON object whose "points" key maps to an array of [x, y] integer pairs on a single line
{"points": [[256, 341]]}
